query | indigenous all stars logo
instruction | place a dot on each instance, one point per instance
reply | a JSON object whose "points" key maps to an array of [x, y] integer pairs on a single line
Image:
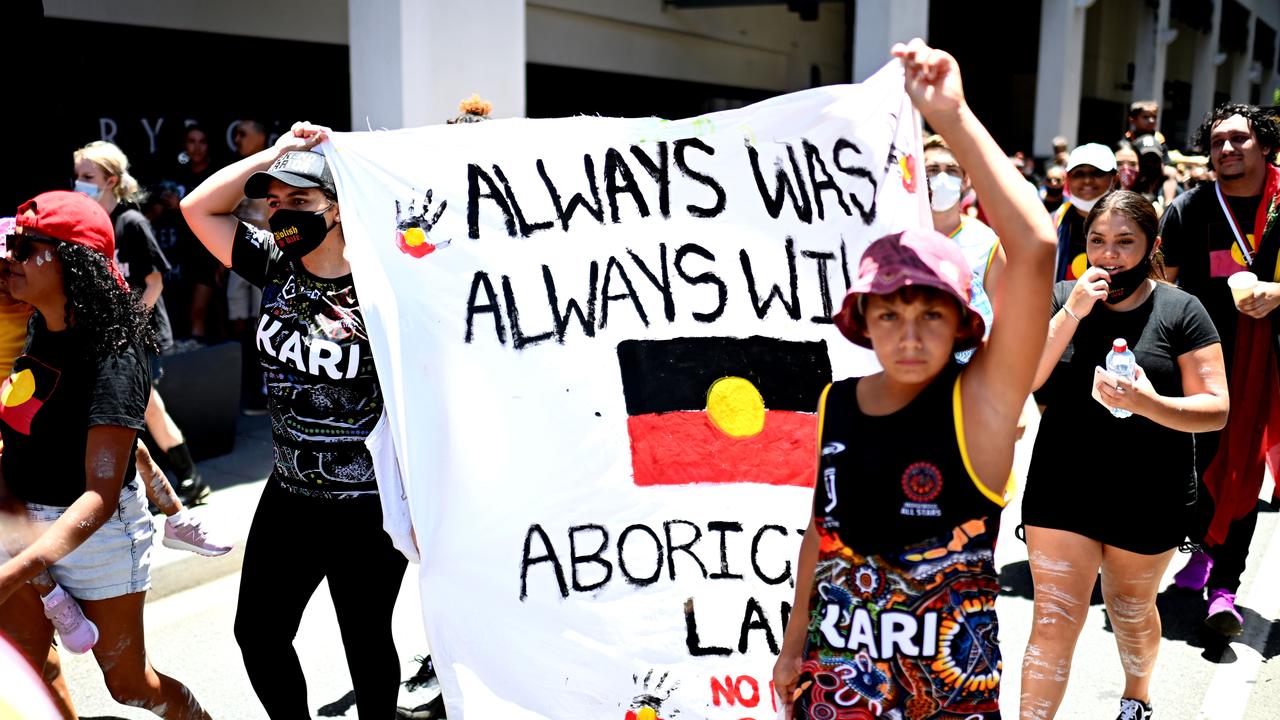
{"points": [[723, 410], [922, 482], [412, 232]]}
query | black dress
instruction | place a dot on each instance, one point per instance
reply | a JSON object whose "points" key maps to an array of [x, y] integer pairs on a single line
{"points": [[1125, 482]]}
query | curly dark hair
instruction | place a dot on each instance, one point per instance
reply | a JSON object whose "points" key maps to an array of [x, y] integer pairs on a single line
{"points": [[1261, 121], [112, 317]]}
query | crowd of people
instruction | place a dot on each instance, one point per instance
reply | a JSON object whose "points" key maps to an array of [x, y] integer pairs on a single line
{"points": [[1024, 284]]}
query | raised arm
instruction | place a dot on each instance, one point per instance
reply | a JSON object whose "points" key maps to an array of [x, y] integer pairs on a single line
{"points": [[208, 209], [997, 380]]}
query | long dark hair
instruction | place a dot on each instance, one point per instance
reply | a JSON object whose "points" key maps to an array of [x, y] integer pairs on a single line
{"points": [[109, 315], [1137, 208]]}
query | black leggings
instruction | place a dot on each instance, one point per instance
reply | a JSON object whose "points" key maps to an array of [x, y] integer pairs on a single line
{"points": [[1230, 557], [293, 544]]}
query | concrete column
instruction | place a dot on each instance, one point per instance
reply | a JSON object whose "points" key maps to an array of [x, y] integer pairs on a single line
{"points": [[1271, 75], [1154, 38], [1242, 68], [412, 61], [1204, 74], [1145, 51], [879, 24], [1062, 24]]}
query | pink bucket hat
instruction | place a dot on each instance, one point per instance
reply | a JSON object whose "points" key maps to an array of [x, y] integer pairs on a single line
{"points": [[912, 257]]}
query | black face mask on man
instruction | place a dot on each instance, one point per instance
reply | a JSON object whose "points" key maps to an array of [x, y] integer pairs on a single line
{"points": [[1124, 283], [299, 232]]}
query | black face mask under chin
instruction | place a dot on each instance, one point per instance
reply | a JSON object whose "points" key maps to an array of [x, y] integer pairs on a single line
{"points": [[1124, 283], [299, 232]]}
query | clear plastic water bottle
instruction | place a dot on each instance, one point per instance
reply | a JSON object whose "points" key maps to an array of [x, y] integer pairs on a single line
{"points": [[1121, 362]]}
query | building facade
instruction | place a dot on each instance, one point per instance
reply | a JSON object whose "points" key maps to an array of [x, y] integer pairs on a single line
{"points": [[1035, 68]]}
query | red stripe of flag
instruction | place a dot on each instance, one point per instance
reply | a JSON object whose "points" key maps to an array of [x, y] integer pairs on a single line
{"points": [[685, 447]]}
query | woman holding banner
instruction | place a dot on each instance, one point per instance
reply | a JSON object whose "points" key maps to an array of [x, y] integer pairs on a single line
{"points": [[896, 581], [319, 517]]}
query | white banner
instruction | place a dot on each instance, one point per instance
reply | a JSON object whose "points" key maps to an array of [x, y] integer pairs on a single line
{"points": [[602, 343]]}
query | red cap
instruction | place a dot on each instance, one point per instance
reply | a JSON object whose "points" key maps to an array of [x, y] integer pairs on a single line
{"points": [[912, 257], [71, 217], [1119, 345]]}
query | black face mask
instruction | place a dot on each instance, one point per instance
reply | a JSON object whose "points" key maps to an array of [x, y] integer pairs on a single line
{"points": [[299, 232], [1124, 283], [1053, 193]]}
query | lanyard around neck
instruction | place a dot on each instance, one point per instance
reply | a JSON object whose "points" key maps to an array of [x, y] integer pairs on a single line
{"points": [[1245, 250]]}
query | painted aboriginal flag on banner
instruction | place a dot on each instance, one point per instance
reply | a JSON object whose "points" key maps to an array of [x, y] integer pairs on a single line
{"points": [[602, 343]]}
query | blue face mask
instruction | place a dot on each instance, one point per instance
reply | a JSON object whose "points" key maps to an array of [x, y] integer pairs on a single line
{"points": [[88, 188]]}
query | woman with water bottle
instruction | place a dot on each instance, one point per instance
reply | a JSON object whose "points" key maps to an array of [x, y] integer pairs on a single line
{"points": [[1112, 480]]}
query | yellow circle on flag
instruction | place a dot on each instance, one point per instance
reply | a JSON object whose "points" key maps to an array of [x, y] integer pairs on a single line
{"points": [[1238, 256], [1079, 265], [413, 237], [19, 389], [735, 406]]}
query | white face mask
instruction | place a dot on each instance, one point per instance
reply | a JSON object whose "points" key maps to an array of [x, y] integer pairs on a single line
{"points": [[944, 191], [1084, 205], [88, 188]]}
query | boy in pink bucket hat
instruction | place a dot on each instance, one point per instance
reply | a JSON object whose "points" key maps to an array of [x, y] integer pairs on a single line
{"points": [[896, 581]]}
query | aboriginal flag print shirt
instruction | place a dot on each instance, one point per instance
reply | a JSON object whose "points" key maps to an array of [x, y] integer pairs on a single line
{"points": [[57, 390], [322, 390]]}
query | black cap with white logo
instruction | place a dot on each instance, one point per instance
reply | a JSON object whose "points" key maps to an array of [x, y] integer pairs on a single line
{"points": [[295, 168]]}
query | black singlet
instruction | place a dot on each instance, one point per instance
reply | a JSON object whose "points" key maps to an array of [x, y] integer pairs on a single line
{"points": [[902, 614]]}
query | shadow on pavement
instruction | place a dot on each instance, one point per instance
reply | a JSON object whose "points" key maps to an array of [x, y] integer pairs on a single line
{"points": [[251, 458], [338, 707], [1182, 620]]}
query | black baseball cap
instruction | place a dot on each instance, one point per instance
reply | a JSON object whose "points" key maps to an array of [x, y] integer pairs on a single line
{"points": [[1148, 144], [296, 168]]}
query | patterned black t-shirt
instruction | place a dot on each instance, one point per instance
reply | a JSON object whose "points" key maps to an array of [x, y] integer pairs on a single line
{"points": [[322, 389]]}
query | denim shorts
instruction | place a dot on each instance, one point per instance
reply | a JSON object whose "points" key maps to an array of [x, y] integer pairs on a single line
{"points": [[116, 559], [157, 370]]}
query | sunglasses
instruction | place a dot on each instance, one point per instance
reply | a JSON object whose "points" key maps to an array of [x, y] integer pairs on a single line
{"points": [[22, 247]]}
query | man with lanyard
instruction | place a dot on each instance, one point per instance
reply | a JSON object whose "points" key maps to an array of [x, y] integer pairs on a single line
{"points": [[1091, 173], [1210, 233]]}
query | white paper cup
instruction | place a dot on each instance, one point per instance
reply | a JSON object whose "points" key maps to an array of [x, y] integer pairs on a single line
{"points": [[1242, 284]]}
